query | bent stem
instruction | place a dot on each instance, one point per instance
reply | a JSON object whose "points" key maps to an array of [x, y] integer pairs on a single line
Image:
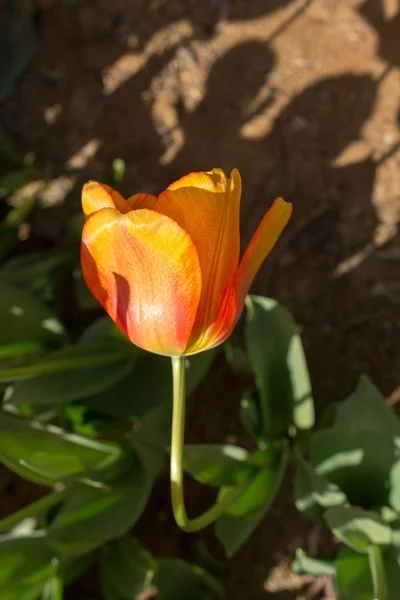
{"points": [[42, 505], [377, 572], [177, 445]]}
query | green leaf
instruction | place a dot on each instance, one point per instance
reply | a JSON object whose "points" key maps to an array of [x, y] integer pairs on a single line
{"points": [[70, 570], [25, 566], [394, 494], [178, 580], [353, 575], [53, 589], [23, 318], [391, 559], [242, 517], [69, 374], [92, 516], [277, 358], [218, 465], [105, 330], [36, 271], [358, 528], [358, 451], [315, 493], [236, 355], [20, 351], [366, 409], [17, 44], [9, 228], [8, 149], [151, 436], [251, 414], [149, 384], [47, 454], [305, 565], [16, 180], [127, 569]]}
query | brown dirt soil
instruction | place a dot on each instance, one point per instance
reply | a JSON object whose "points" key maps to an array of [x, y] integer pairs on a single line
{"points": [[303, 96]]}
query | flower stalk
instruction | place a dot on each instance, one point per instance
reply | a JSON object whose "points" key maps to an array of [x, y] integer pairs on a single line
{"points": [[177, 446]]}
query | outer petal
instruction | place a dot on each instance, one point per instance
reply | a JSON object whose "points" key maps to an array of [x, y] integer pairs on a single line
{"points": [[261, 244], [142, 200], [96, 196], [207, 205], [144, 269]]}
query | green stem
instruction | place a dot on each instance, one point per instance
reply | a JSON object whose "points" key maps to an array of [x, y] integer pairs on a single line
{"points": [[177, 444], [377, 572], [41, 505]]}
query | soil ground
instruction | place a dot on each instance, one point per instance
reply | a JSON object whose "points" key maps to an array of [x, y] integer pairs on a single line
{"points": [[303, 97]]}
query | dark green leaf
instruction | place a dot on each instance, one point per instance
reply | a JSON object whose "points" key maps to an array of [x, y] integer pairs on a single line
{"points": [[358, 451], [177, 580], [16, 180], [10, 227], [357, 528], [235, 354], [151, 437], [17, 44], [53, 589], [23, 318], [104, 330], [8, 149], [25, 566], [238, 522], [276, 355], [69, 374], [36, 271], [314, 493], [391, 559], [20, 351], [149, 384], [366, 410], [353, 575], [90, 517], [70, 570], [47, 454], [217, 465], [305, 565], [250, 410], [127, 569], [394, 476]]}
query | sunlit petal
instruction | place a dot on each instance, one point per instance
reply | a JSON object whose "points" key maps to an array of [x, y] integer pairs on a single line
{"points": [[261, 244], [96, 196], [207, 205], [144, 269]]}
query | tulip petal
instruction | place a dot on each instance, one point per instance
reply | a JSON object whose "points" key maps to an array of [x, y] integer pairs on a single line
{"points": [[206, 205], [144, 269], [96, 196], [261, 244], [142, 200]]}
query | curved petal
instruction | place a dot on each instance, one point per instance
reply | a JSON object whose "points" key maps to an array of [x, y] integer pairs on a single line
{"points": [[207, 205], [261, 244], [141, 200], [144, 269], [96, 196]]}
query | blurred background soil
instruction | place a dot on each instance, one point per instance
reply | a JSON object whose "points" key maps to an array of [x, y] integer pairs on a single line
{"points": [[303, 97]]}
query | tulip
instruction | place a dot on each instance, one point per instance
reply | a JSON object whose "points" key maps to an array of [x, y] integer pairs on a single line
{"points": [[166, 268], [167, 271]]}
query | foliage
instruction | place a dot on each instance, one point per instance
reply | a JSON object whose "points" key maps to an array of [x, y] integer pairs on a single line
{"points": [[351, 482], [87, 416]]}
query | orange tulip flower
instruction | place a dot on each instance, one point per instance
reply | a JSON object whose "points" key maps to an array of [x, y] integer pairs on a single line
{"points": [[167, 269]]}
